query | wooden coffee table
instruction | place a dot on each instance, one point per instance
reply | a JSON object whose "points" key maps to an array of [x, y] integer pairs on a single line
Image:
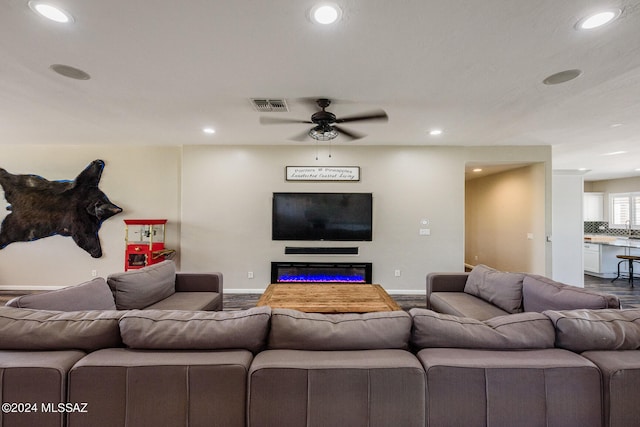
{"points": [[328, 297]]}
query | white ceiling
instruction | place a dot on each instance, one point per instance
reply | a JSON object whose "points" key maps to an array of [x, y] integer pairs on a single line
{"points": [[162, 70]]}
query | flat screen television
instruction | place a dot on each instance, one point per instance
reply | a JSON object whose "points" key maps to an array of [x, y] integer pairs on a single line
{"points": [[322, 216]]}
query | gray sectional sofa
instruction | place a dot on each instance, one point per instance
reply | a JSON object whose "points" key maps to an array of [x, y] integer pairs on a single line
{"points": [[280, 368], [155, 287], [485, 292]]}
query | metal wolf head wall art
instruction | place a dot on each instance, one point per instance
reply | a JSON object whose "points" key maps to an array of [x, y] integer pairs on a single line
{"points": [[41, 208]]}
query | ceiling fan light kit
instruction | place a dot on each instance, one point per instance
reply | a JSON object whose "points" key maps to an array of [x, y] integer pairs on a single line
{"points": [[321, 133]]}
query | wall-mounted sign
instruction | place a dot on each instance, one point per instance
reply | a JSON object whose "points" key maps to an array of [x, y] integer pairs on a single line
{"points": [[323, 173]]}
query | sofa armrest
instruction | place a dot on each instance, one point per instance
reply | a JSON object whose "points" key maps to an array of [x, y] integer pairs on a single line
{"points": [[445, 282], [199, 282]]}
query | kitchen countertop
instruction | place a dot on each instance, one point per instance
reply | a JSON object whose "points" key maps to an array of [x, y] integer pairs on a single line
{"points": [[620, 241]]}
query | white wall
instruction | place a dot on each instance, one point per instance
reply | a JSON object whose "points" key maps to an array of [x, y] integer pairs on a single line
{"points": [[143, 181], [568, 230]]}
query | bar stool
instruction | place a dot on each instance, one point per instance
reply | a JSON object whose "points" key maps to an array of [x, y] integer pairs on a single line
{"points": [[630, 259]]}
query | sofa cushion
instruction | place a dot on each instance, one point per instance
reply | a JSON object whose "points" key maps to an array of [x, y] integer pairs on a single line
{"points": [[513, 331], [92, 295], [295, 330], [196, 330], [194, 301], [541, 293], [545, 387], [609, 329], [24, 329], [500, 288], [464, 305], [140, 288]]}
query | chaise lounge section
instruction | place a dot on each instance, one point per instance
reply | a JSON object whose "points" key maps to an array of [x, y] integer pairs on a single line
{"points": [[485, 293], [155, 287]]}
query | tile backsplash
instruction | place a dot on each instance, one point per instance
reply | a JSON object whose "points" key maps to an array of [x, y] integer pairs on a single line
{"points": [[602, 227]]}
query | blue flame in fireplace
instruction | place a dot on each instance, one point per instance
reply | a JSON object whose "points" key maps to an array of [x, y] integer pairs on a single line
{"points": [[320, 278], [320, 273]]}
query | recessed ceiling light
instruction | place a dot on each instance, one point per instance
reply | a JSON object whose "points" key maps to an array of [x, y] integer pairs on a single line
{"points": [[325, 13], [209, 131], [477, 170], [561, 77], [69, 71], [51, 12], [435, 132], [598, 19]]}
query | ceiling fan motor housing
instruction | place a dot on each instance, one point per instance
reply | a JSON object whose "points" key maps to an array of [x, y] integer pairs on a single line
{"points": [[323, 117]]}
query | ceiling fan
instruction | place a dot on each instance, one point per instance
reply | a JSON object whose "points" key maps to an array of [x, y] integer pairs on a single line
{"points": [[325, 128]]}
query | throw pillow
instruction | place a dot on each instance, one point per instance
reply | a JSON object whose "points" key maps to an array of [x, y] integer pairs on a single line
{"points": [[500, 288], [510, 332], [136, 289]]}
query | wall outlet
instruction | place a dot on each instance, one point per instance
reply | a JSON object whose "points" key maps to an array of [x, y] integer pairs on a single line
{"points": [[396, 273], [94, 273], [425, 232], [250, 275]]}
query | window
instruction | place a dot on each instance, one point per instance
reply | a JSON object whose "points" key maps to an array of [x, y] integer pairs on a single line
{"points": [[624, 210]]}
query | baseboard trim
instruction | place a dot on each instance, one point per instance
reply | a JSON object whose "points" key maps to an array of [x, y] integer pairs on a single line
{"points": [[226, 291], [30, 288], [406, 292], [389, 291]]}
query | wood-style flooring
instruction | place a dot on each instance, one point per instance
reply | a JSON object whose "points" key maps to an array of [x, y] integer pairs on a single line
{"points": [[629, 297]]}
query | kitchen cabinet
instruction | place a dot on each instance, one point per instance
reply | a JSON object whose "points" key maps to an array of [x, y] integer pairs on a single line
{"points": [[600, 259], [593, 206], [592, 258]]}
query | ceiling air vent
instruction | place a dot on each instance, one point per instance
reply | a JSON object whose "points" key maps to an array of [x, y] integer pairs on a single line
{"points": [[269, 105]]}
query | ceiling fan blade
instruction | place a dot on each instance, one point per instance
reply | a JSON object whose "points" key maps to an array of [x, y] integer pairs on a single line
{"points": [[378, 115], [302, 136], [280, 120], [349, 133]]}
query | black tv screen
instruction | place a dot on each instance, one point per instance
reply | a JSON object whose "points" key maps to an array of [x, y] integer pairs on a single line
{"points": [[322, 216]]}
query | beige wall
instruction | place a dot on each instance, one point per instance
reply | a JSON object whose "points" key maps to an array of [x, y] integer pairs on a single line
{"points": [[227, 195], [501, 211], [143, 181], [218, 203], [227, 201], [621, 185]]}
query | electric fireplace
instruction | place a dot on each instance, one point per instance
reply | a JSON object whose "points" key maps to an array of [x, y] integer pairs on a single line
{"points": [[320, 272]]}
